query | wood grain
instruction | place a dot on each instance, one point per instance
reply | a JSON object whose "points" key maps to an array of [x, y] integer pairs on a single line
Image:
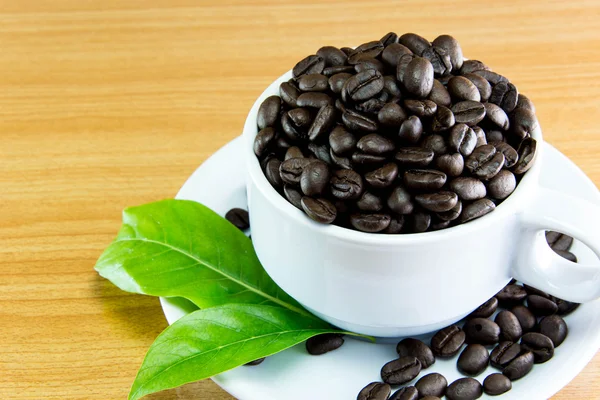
{"points": [[107, 104]]}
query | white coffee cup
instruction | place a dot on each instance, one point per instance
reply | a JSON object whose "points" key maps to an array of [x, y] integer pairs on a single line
{"points": [[398, 285]]}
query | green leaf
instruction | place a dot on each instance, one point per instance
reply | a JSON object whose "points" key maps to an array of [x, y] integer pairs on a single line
{"points": [[182, 248], [214, 340]]}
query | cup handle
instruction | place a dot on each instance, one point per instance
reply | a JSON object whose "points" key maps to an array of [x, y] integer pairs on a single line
{"points": [[539, 266]]}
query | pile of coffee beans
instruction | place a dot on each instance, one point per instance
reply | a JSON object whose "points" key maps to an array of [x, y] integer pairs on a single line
{"points": [[399, 135]]}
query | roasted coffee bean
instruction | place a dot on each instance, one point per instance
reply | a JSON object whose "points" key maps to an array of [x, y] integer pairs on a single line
{"points": [[389, 38], [364, 85], [314, 178], [485, 162], [396, 224], [371, 106], [263, 140], [435, 143], [393, 52], [510, 327], [341, 141], [566, 255], [490, 76], [524, 102], [420, 222], [330, 71], [313, 83], [323, 122], [324, 343], [468, 112], [375, 391], [461, 89], [481, 139], [382, 177], [439, 59], [494, 136], [450, 164], [437, 202], [320, 210], [369, 202], [418, 77], [540, 346], [346, 184], [314, 100], [293, 196], [282, 144], [239, 218], [370, 222], [437, 225], [255, 362], [510, 154], [360, 158], [525, 316], [462, 139], [301, 118], [332, 56], [430, 398], [406, 393], [497, 116], [417, 44], [558, 241], [484, 87], [453, 49], [268, 112], [421, 108], [336, 82], [468, 188], [391, 115], [293, 152], [541, 306], [473, 360], [400, 371], [477, 209], [505, 95], [555, 328], [321, 152], [464, 389], [291, 170], [527, 152], [411, 129], [416, 348], [443, 119], [452, 214], [375, 144], [414, 156], [504, 353], [496, 384], [433, 384], [519, 367], [369, 49], [470, 66], [511, 295], [485, 310], [439, 94], [347, 50], [448, 341], [565, 307], [366, 63], [310, 65], [502, 185], [531, 290], [358, 122], [482, 331], [523, 122], [400, 201], [402, 66], [390, 86], [340, 161], [272, 173], [424, 179]]}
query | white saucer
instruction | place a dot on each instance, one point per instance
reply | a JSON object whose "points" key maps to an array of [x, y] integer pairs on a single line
{"points": [[339, 375]]}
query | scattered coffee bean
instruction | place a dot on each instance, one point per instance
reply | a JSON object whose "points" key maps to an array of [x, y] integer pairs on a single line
{"points": [[406, 393], [566, 307], [255, 362], [322, 344], [519, 367], [511, 295], [555, 328], [541, 306], [464, 389], [496, 384], [416, 348], [433, 384], [540, 346], [485, 310], [320, 210], [526, 318], [400, 371], [448, 341], [482, 331], [239, 218], [473, 360], [375, 391], [510, 327], [504, 353]]}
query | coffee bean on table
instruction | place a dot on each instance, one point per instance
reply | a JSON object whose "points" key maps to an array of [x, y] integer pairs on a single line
{"points": [[510, 327], [370, 222], [255, 362], [461, 89], [450, 164], [443, 119], [324, 343], [406, 393], [433, 384], [411, 129], [314, 178], [416, 348], [346, 184], [453, 49], [559, 241], [477, 209], [414, 156], [502, 185], [504, 353], [526, 318], [239, 218], [482, 331], [293, 196], [541, 306], [375, 391], [400, 371], [496, 384], [540, 345], [519, 367], [320, 210], [555, 328], [473, 360], [417, 44], [400, 201], [312, 64], [486, 309], [468, 188], [418, 77], [511, 295], [464, 389], [382, 177], [448, 341]]}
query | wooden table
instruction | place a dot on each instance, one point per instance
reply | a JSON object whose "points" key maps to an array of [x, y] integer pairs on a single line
{"points": [[106, 104]]}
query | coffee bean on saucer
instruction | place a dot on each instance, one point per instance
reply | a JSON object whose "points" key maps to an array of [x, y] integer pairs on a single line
{"points": [[320, 210], [400, 371], [519, 366], [504, 353], [541, 306], [464, 389], [496, 384], [555, 328], [324, 343], [510, 327], [255, 362], [433, 384], [416, 348], [511, 295], [540, 345], [567, 255], [473, 360], [526, 318], [486, 309], [565, 307], [448, 341], [406, 393], [239, 218], [375, 391], [482, 331]]}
